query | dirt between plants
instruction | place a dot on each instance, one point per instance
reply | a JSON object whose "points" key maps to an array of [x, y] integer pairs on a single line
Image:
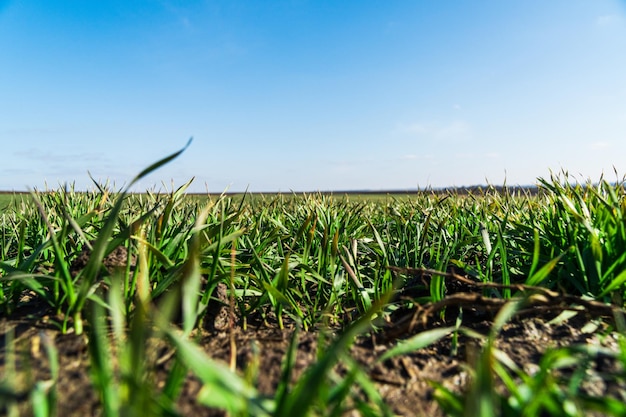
{"points": [[403, 381]]}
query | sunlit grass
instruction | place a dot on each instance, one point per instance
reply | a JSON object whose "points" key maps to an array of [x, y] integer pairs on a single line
{"points": [[319, 261]]}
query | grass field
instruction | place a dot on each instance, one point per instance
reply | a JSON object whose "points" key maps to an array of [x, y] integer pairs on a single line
{"points": [[7, 198], [163, 304]]}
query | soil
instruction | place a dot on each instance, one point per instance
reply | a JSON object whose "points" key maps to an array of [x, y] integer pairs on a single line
{"points": [[404, 382]]}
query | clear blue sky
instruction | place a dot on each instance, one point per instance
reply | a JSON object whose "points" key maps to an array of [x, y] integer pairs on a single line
{"points": [[311, 95]]}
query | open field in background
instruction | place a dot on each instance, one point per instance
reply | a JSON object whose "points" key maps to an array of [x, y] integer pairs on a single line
{"points": [[7, 197], [485, 304]]}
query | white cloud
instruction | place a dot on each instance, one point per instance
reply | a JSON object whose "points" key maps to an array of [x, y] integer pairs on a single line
{"points": [[477, 156], [457, 129], [599, 146], [415, 128], [411, 157], [454, 130], [609, 20], [57, 157]]}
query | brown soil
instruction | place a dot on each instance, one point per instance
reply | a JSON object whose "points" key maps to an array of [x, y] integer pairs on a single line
{"points": [[402, 381]]}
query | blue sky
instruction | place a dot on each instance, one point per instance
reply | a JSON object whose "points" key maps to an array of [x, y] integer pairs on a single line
{"points": [[311, 95]]}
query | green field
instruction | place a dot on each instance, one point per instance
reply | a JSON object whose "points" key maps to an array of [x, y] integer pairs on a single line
{"points": [[7, 198], [393, 274]]}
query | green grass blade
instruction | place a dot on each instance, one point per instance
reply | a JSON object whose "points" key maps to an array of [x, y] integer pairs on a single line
{"points": [[101, 366], [222, 388], [308, 387], [159, 164], [419, 341], [543, 272], [616, 283]]}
